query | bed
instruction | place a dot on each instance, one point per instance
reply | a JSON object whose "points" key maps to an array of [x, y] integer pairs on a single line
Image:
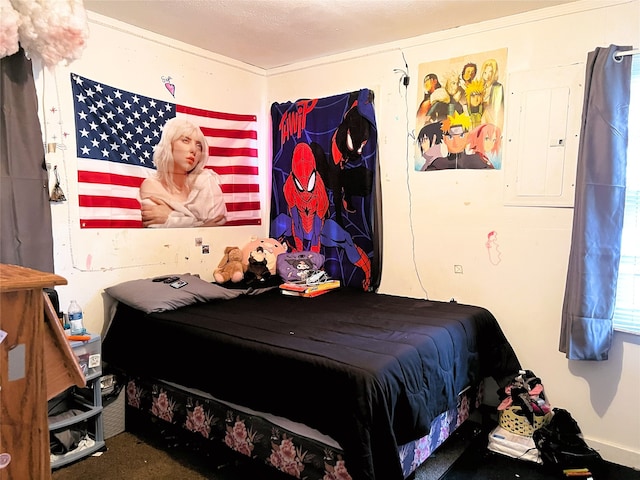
{"points": [[354, 384]]}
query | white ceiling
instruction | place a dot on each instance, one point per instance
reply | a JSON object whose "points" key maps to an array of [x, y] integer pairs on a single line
{"points": [[275, 33]]}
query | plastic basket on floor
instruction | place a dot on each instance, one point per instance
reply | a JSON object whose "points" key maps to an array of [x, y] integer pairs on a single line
{"points": [[514, 420]]}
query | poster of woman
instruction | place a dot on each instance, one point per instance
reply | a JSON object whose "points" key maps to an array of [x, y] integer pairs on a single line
{"points": [[460, 112]]}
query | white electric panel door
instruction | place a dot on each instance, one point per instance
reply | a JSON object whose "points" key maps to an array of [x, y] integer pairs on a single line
{"points": [[542, 134]]}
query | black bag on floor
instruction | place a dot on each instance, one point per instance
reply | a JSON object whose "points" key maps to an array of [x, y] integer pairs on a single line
{"points": [[561, 445]]}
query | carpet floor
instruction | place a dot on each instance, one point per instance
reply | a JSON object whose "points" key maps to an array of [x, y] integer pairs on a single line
{"points": [[149, 451]]}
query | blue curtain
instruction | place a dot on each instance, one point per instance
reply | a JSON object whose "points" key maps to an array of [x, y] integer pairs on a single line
{"points": [[589, 298]]}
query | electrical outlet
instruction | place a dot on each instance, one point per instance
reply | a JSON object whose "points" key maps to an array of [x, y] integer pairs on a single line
{"points": [[457, 269]]}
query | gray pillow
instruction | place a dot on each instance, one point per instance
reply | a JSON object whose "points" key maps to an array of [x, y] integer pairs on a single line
{"points": [[150, 296]]}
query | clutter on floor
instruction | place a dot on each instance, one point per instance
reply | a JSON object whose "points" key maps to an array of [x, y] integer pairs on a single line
{"points": [[530, 429]]}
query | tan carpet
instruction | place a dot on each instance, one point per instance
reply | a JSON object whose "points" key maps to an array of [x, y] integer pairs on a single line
{"points": [[129, 457]]}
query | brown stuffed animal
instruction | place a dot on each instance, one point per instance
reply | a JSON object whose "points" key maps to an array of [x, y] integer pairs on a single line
{"points": [[271, 248], [230, 267]]}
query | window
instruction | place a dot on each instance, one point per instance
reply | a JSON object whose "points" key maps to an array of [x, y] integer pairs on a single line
{"points": [[626, 316]]}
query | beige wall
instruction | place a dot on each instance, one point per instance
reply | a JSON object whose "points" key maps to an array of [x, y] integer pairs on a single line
{"points": [[435, 220], [432, 221], [136, 61]]}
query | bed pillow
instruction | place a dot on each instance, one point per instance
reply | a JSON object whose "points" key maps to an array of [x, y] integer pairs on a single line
{"points": [[297, 266], [149, 296]]}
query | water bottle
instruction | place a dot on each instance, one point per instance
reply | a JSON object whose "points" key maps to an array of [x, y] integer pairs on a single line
{"points": [[75, 318]]}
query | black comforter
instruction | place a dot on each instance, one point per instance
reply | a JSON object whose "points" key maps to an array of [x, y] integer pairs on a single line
{"points": [[370, 370]]}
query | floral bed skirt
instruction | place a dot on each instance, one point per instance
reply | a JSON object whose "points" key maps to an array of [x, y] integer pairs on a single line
{"points": [[262, 440]]}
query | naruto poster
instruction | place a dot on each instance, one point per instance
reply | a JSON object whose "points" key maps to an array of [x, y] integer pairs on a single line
{"points": [[325, 190]]}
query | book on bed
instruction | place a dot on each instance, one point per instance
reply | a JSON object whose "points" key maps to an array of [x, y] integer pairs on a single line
{"points": [[305, 290]]}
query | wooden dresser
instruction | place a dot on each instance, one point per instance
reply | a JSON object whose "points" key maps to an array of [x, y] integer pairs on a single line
{"points": [[36, 363]]}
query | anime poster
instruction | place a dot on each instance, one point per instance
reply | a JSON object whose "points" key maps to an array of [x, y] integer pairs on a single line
{"points": [[324, 183], [460, 112]]}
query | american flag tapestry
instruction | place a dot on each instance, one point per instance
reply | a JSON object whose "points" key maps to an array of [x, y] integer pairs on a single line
{"points": [[116, 132], [325, 183]]}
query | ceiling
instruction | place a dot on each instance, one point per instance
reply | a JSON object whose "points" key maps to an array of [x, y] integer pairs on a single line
{"points": [[275, 33]]}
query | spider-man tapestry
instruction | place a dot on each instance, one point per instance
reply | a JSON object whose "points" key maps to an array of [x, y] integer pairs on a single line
{"points": [[325, 183]]}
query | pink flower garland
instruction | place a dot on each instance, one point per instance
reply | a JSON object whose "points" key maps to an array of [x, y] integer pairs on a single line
{"points": [[54, 30]]}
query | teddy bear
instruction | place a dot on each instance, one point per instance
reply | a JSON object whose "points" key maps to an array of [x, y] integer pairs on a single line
{"points": [[257, 269], [230, 267], [271, 248]]}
